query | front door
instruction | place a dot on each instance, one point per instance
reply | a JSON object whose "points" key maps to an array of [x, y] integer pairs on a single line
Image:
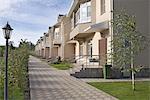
{"points": [[103, 50]]}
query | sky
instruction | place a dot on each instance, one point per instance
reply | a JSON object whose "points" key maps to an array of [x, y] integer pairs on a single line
{"points": [[30, 18]]}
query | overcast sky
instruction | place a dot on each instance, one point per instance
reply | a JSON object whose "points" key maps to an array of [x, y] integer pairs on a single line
{"points": [[30, 18]]}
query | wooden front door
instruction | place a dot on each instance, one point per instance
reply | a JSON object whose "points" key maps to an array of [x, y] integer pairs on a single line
{"points": [[103, 50]]}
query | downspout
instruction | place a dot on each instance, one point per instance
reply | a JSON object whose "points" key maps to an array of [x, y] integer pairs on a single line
{"points": [[111, 27]]}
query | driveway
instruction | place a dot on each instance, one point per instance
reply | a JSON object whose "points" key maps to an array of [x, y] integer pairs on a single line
{"points": [[47, 83]]}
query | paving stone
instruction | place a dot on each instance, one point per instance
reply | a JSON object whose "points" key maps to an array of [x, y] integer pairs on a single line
{"points": [[47, 83]]}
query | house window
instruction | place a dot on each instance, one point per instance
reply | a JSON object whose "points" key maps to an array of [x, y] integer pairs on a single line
{"points": [[77, 16], [89, 11], [103, 8]]}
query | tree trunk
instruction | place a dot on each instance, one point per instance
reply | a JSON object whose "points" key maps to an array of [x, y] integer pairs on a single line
{"points": [[133, 78], [132, 69]]}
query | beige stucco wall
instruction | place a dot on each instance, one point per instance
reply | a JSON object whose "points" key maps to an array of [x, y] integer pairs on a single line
{"points": [[67, 50], [79, 29], [66, 26], [57, 39], [62, 32], [64, 50], [77, 49], [47, 42], [93, 10], [96, 18], [139, 8], [50, 31], [82, 26], [106, 16], [95, 43]]}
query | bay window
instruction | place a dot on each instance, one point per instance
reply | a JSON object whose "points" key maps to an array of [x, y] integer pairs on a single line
{"points": [[83, 14]]}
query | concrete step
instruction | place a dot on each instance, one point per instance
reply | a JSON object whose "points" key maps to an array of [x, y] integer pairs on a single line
{"points": [[77, 68], [89, 73]]}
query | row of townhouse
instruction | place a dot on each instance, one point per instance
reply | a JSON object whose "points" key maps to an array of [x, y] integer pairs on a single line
{"points": [[54, 42], [60, 37], [86, 31]]}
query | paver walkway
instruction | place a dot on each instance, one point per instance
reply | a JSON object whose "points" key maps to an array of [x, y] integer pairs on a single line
{"points": [[47, 83]]}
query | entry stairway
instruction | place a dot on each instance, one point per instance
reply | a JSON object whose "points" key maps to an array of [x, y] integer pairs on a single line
{"points": [[87, 67]]}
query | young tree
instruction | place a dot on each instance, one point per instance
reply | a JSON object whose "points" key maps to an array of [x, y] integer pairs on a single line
{"points": [[29, 45], [127, 43]]}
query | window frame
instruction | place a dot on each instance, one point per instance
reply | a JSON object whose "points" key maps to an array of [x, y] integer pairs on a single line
{"points": [[103, 6]]}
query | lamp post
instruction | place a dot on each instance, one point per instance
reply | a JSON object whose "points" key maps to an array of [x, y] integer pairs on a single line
{"points": [[7, 30]]}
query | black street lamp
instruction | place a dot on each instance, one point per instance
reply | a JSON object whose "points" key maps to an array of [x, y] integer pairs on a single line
{"points": [[7, 30]]}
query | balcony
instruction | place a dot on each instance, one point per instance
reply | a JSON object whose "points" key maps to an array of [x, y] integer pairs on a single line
{"points": [[79, 31], [99, 27], [57, 40]]}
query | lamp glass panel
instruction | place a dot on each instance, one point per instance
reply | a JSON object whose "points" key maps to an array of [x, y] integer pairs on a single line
{"points": [[7, 33]]}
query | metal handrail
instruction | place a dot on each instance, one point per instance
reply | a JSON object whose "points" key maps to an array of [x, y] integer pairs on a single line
{"points": [[97, 61]]}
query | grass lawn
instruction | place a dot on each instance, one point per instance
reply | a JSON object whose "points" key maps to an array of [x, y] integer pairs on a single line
{"points": [[62, 66], [14, 93], [123, 90]]}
